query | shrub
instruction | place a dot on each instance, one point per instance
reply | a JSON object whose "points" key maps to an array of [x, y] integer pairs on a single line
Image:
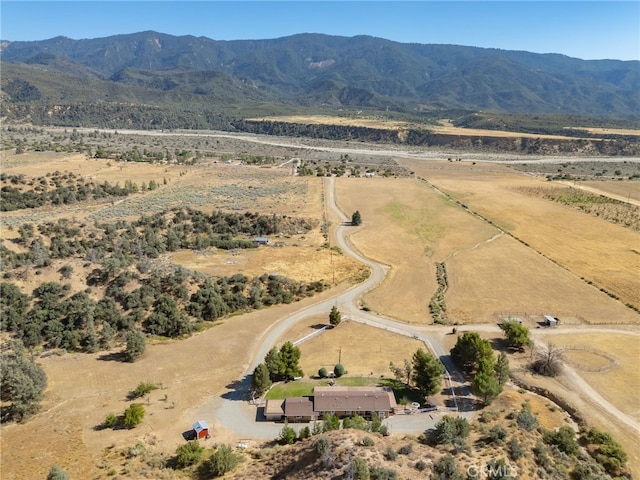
{"points": [[368, 442], [357, 469], [390, 454], [446, 469], [142, 389], [451, 430], [110, 421], [287, 435], [497, 434], [421, 465], [322, 445], [381, 473], [564, 439], [488, 416], [304, 433], [322, 373], [514, 449], [525, 419], [57, 473], [330, 422], [338, 370], [406, 449], [222, 461], [133, 415], [136, 345], [188, 454]]}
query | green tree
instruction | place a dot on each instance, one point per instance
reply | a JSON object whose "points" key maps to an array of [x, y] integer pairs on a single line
{"points": [[133, 415], [260, 380], [289, 357], [136, 345], [167, 318], [57, 473], [188, 454], [222, 461], [486, 386], [427, 372], [273, 362], [469, 349], [338, 370], [322, 373], [335, 317], [517, 335], [22, 383], [356, 218], [502, 368]]}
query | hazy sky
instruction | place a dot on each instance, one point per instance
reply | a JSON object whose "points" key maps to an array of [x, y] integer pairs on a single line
{"points": [[582, 29]]}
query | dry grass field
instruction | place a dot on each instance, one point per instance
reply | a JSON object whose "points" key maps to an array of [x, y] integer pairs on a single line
{"points": [[363, 350], [410, 227], [504, 277], [628, 190], [616, 384], [587, 246]]}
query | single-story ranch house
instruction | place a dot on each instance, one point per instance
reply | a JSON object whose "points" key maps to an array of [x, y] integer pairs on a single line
{"points": [[336, 400]]}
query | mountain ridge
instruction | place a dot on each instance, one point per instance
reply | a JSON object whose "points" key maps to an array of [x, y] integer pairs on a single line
{"points": [[315, 69]]}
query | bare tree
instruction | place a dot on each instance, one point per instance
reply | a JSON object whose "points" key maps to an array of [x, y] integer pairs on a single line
{"points": [[548, 361]]}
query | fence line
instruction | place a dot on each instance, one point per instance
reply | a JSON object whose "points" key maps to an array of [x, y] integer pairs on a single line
{"points": [[310, 336], [605, 368]]}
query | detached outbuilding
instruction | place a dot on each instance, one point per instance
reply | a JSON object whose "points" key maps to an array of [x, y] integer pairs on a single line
{"points": [[550, 321], [201, 429]]}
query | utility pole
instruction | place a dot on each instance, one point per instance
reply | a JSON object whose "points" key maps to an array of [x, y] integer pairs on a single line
{"points": [[340, 355]]}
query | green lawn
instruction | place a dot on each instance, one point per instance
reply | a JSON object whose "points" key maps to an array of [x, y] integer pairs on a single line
{"points": [[302, 388], [296, 388]]}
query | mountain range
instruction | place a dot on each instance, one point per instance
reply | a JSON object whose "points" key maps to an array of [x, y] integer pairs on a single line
{"points": [[313, 71]]}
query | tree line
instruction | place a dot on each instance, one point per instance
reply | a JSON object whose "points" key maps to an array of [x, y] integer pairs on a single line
{"points": [[59, 189]]}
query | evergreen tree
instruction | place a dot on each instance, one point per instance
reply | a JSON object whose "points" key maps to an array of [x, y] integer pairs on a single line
{"points": [[356, 218], [486, 386], [335, 317], [517, 335], [502, 368], [260, 380], [469, 349], [427, 372]]}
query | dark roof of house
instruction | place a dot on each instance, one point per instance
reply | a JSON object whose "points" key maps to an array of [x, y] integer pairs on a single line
{"points": [[354, 399], [298, 407]]}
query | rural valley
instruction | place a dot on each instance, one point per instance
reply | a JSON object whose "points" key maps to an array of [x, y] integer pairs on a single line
{"points": [[202, 279]]}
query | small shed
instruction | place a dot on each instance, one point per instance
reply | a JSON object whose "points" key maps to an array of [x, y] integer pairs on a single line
{"points": [[261, 240], [550, 321], [201, 429]]}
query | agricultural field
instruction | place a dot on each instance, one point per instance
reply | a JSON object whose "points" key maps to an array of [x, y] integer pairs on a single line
{"points": [[591, 248]]}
